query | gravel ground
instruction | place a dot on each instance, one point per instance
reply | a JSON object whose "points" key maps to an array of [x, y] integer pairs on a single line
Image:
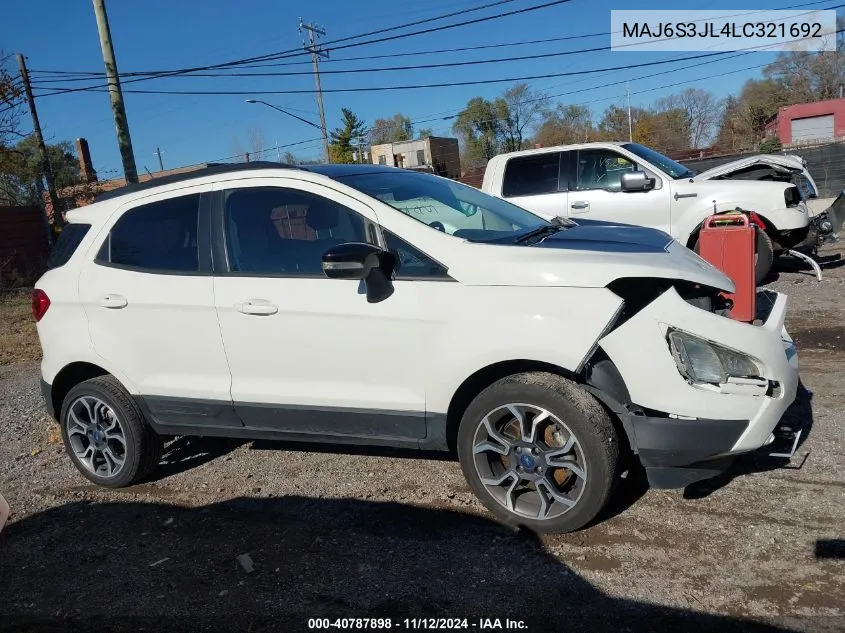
{"points": [[382, 533]]}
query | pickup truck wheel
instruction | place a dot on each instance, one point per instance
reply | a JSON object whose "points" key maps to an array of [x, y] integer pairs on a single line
{"points": [[764, 255], [539, 452], [105, 434]]}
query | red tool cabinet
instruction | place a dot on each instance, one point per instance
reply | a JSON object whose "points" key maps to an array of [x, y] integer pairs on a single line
{"points": [[727, 241]]}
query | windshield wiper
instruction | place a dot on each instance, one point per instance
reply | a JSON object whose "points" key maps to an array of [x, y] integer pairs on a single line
{"points": [[542, 231]]}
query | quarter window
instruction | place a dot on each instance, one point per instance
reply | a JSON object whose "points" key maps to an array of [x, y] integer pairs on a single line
{"points": [[280, 231], [412, 263], [531, 175], [69, 240], [156, 236]]}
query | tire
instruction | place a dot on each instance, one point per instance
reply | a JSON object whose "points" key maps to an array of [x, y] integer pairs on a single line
{"points": [[575, 420], [93, 444], [764, 255]]}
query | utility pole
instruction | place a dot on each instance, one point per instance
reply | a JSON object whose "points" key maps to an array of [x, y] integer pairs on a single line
{"points": [[120, 123], [160, 163], [314, 32], [46, 169], [630, 127]]}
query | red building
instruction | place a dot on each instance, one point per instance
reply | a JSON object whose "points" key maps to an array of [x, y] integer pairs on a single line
{"points": [[804, 123]]}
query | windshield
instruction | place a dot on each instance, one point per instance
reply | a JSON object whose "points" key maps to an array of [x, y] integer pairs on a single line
{"points": [[666, 164], [445, 205]]}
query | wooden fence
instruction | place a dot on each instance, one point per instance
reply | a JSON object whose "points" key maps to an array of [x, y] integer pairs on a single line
{"points": [[23, 245]]}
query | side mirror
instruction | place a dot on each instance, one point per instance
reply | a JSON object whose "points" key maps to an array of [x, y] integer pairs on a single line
{"points": [[358, 260], [636, 181]]}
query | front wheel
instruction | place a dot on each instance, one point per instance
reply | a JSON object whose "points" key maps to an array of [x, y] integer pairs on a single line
{"points": [[539, 452]]}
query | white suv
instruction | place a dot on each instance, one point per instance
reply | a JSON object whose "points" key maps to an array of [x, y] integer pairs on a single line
{"points": [[328, 303], [630, 183]]}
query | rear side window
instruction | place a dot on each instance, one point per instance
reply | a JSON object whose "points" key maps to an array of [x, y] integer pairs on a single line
{"points": [[69, 240], [158, 236], [531, 175]]}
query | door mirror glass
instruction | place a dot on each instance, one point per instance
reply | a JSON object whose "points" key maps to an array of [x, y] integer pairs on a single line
{"points": [[636, 181], [358, 260]]}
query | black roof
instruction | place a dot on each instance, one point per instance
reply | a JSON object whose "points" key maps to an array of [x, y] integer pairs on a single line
{"points": [[332, 171]]}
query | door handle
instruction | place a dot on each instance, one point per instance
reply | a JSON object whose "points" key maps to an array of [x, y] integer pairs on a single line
{"points": [[257, 306], [113, 301], [581, 204]]}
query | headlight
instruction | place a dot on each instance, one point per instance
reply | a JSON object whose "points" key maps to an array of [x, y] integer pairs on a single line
{"points": [[703, 361]]}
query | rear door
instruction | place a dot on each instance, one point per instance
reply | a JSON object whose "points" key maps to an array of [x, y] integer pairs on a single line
{"points": [[596, 191], [149, 299], [534, 182]]}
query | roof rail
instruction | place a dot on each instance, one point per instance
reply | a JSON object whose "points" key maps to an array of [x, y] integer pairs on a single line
{"points": [[212, 169]]}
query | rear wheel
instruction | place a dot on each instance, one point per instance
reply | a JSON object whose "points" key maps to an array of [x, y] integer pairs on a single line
{"points": [[105, 434], [539, 452]]}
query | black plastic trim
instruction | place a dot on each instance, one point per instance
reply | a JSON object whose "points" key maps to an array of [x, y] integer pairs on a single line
{"points": [[665, 441], [405, 425], [339, 425], [47, 394]]}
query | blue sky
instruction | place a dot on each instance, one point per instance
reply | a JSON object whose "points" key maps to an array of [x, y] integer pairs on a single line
{"points": [[159, 34]]}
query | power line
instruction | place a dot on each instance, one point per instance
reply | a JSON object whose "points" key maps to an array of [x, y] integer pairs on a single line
{"points": [[297, 52], [160, 73]]}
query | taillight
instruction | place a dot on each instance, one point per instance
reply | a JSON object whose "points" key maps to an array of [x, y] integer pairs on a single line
{"points": [[40, 303]]}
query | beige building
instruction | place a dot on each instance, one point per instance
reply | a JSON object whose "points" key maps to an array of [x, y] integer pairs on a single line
{"points": [[437, 154]]}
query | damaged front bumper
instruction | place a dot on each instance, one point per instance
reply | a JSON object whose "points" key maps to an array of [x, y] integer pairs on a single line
{"points": [[683, 431], [825, 227]]}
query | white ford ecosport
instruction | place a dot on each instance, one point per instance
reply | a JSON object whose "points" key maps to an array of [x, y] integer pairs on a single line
{"points": [[327, 303]]}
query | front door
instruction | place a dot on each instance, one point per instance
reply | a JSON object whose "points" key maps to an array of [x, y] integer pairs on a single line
{"points": [[308, 354], [596, 191]]}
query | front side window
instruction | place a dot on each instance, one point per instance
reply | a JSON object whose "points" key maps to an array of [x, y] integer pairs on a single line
{"points": [[157, 236], [602, 169], [445, 205], [531, 175], [278, 231]]}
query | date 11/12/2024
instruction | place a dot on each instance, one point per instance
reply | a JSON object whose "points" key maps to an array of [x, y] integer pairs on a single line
{"points": [[432, 624]]}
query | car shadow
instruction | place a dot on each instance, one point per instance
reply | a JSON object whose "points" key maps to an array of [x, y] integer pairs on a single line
{"points": [[799, 415], [120, 567], [187, 452]]}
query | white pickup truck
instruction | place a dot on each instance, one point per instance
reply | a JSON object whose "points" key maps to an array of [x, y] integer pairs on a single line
{"points": [[633, 184]]}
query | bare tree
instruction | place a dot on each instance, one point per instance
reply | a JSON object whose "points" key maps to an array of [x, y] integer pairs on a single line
{"points": [[257, 142], [701, 109], [520, 109], [11, 98]]}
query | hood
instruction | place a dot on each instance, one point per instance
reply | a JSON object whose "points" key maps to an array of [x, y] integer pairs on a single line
{"points": [[589, 254], [786, 163], [787, 168]]}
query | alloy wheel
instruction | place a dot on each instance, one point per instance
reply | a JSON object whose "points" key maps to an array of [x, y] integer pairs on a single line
{"points": [[529, 461], [96, 436]]}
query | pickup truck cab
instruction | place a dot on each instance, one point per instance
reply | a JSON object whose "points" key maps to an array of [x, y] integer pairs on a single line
{"points": [[633, 184]]}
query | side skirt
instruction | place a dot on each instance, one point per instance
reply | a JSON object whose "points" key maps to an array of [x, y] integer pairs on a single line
{"points": [[364, 427]]}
